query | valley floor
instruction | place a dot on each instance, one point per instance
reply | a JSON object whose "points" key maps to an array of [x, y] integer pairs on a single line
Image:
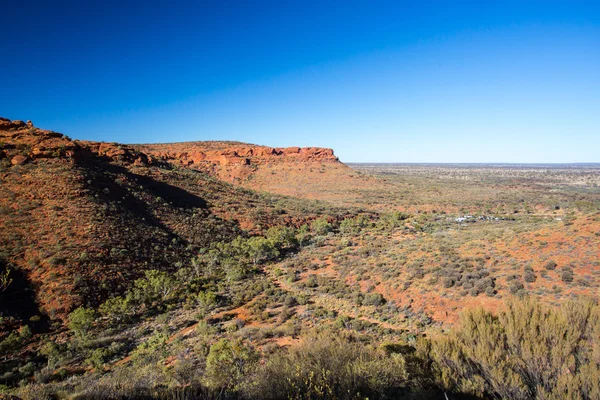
{"points": [[307, 309]]}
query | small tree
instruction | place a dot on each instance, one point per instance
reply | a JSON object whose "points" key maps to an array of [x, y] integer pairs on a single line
{"points": [[260, 249], [227, 363], [116, 309], [282, 237], [321, 226], [81, 321], [155, 286], [5, 279], [52, 353]]}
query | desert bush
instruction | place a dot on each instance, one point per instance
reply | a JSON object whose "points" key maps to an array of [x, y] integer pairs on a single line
{"points": [[354, 225], [96, 358], [282, 237], [391, 221], [260, 249], [206, 300], [12, 342], [567, 275], [516, 287], [156, 287], [527, 351], [303, 235], [52, 352], [116, 309], [81, 321], [448, 282], [529, 276], [550, 265], [331, 366], [321, 226], [373, 299], [228, 365]]}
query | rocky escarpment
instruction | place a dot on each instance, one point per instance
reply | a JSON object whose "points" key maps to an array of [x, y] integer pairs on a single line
{"points": [[233, 153], [235, 162], [81, 220], [21, 142]]}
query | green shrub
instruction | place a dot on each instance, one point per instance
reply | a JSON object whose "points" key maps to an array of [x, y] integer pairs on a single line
{"points": [[52, 352], [321, 226], [228, 364], [10, 343], [115, 309], [81, 321], [154, 287], [354, 225], [567, 275], [282, 237], [527, 351], [529, 276], [550, 265], [373, 299], [96, 358], [330, 366], [260, 249]]}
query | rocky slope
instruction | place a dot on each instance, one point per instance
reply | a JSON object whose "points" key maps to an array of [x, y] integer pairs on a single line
{"points": [[234, 162], [304, 172], [227, 153], [79, 220]]}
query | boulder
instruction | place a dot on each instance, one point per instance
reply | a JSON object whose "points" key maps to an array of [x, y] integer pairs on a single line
{"points": [[19, 159]]}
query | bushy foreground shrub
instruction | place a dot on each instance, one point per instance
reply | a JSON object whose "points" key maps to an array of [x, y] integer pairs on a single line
{"points": [[328, 366], [527, 351]]}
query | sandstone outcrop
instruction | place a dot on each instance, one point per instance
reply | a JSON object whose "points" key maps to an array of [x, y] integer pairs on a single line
{"points": [[21, 141], [231, 154], [7, 125]]}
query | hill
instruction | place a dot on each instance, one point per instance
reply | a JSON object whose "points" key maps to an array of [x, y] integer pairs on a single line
{"points": [[309, 172], [184, 271], [81, 220]]}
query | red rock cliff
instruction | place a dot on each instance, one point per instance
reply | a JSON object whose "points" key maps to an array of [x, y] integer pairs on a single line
{"points": [[228, 153]]}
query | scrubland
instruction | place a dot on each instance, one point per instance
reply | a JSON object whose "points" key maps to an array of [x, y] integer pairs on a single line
{"points": [[162, 281]]}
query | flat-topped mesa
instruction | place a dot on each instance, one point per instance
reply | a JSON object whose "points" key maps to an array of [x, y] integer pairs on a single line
{"points": [[21, 142], [198, 153]]}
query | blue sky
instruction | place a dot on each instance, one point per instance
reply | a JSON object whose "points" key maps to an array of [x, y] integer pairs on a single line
{"points": [[422, 81]]}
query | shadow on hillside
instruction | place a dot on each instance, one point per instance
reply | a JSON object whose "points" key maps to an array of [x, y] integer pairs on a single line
{"points": [[18, 300], [109, 191], [172, 194]]}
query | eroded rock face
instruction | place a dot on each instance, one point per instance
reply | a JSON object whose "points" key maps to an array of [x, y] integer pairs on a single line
{"points": [[18, 138], [228, 160], [7, 125], [198, 153]]}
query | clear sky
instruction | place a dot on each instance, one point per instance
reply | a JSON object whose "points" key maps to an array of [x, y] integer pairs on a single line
{"points": [[420, 81]]}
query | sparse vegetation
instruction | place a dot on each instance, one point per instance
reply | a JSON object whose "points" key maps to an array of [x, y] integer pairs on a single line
{"points": [[175, 284]]}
